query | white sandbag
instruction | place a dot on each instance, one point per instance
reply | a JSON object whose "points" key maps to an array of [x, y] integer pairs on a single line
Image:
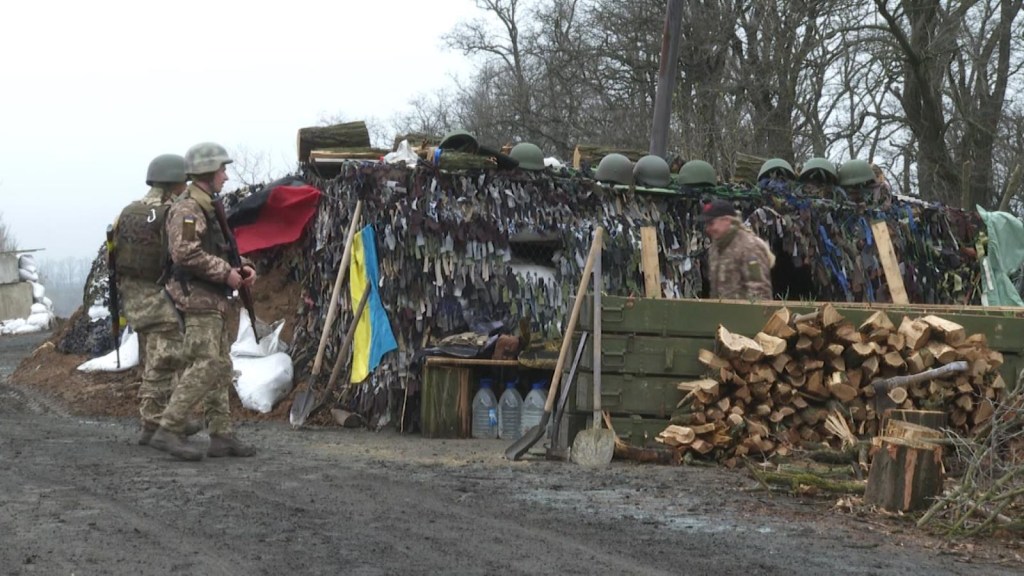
{"points": [[262, 382], [129, 350], [97, 312], [28, 262], [38, 291], [45, 301], [270, 341], [41, 319], [27, 276], [39, 308], [26, 329], [10, 326]]}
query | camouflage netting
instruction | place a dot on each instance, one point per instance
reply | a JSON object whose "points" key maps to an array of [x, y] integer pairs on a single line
{"points": [[82, 334]]}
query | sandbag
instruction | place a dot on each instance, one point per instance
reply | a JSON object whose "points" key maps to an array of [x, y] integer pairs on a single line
{"points": [[27, 276], [129, 350], [262, 382]]}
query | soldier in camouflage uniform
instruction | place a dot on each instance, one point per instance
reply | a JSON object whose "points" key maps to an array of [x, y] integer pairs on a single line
{"points": [[740, 261], [141, 260], [201, 277]]}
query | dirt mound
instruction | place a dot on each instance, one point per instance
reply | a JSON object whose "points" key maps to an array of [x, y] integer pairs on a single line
{"points": [[278, 294]]}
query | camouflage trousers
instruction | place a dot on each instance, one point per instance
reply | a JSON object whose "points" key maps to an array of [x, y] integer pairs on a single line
{"points": [[206, 376], [161, 361]]}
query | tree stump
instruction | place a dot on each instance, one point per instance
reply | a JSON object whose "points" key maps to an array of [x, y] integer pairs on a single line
{"points": [[904, 474], [347, 135]]}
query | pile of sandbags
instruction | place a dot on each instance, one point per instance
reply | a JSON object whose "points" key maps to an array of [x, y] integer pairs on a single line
{"points": [[41, 315]]}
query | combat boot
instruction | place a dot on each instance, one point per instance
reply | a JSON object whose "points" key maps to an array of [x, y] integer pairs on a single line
{"points": [[176, 445], [228, 445], [191, 427]]}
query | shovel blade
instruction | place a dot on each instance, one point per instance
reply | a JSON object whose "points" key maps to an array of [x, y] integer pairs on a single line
{"points": [[521, 446], [302, 405], [593, 447]]}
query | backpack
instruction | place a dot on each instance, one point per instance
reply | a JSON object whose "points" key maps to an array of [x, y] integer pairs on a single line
{"points": [[141, 240]]}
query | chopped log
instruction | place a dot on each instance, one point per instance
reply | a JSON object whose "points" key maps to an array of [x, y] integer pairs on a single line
{"points": [[738, 346], [830, 316], [915, 363], [904, 475], [711, 360], [804, 344], [346, 135], [848, 334], [734, 420], [995, 358], [915, 333], [909, 431], [676, 436], [965, 403], [811, 364], [896, 341], [815, 385], [838, 363], [870, 367], [839, 387], [772, 345], [863, 349], [952, 333], [347, 419], [878, 320], [781, 414], [943, 353], [780, 362], [894, 360], [706, 384], [649, 455], [808, 330], [702, 446], [756, 428], [778, 325], [898, 395], [982, 412]]}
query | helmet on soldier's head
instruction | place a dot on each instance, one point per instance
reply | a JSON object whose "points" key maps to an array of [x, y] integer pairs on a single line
{"points": [[206, 157], [855, 172], [652, 170], [776, 164], [615, 168], [167, 169], [529, 156], [697, 173], [821, 165]]}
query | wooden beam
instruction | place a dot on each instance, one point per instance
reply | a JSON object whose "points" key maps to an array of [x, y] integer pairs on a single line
{"points": [[649, 261], [890, 265]]}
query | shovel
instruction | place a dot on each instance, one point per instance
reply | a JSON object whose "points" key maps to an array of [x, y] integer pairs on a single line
{"points": [[519, 447], [559, 452], [343, 353], [303, 402], [595, 447]]}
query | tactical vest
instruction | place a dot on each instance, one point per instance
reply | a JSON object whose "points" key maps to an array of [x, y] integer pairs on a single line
{"points": [[141, 241], [212, 242]]}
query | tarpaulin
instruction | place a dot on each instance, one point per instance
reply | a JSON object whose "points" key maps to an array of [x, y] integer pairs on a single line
{"points": [[1004, 254]]}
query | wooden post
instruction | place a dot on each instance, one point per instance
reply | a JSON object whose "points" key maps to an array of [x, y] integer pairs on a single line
{"points": [[890, 265], [904, 475], [649, 261]]}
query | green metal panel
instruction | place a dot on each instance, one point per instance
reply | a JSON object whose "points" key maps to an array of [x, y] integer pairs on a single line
{"points": [[629, 394], [632, 354], [634, 430]]}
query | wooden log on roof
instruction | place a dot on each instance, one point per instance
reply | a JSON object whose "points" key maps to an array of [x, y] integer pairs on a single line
{"points": [[345, 135], [329, 154], [592, 155]]}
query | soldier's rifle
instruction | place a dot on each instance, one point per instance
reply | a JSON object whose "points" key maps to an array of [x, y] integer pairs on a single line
{"points": [[115, 301], [235, 259]]}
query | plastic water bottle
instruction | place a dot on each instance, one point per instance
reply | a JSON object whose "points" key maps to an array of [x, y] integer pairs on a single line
{"points": [[485, 412], [533, 406], [510, 412]]}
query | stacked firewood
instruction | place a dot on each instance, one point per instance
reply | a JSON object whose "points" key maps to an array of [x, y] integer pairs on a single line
{"points": [[817, 378]]}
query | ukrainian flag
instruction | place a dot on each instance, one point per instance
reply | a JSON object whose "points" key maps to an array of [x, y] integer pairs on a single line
{"points": [[373, 338]]}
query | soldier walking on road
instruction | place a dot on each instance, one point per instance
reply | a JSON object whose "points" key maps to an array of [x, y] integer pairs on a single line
{"points": [[140, 255], [201, 279], [739, 260]]}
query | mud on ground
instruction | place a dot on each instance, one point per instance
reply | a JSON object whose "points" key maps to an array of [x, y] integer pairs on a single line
{"points": [[81, 497]]}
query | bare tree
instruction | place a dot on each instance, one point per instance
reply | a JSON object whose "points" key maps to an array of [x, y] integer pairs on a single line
{"points": [[8, 243], [64, 280]]}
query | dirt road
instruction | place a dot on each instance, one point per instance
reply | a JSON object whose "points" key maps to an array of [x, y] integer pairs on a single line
{"points": [[79, 497]]}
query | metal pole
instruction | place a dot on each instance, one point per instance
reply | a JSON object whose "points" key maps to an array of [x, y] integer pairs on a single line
{"points": [[666, 78]]}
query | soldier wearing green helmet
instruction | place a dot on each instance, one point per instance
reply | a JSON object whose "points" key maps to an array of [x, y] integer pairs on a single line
{"points": [[819, 179], [201, 279], [140, 258], [697, 174]]}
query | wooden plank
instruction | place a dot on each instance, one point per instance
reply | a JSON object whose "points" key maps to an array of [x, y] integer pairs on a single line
{"points": [[890, 266], [445, 401], [446, 361], [649, 261]]}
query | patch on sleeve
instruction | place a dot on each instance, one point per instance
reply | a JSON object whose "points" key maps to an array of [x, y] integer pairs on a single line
{"points": [[188, 229], [754, 269]]}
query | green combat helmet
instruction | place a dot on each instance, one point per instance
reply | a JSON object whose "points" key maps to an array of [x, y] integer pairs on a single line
{"points": [[820, 168], [529, 156], [652, 171], [615, 168], [459, 141], [776, 164], [856, 173], [206, 157], [697, 173], [167, 169]]}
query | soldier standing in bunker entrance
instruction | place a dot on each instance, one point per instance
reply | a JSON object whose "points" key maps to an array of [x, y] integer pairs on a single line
{"points": [[740, 262], [200, 283], [140, 255]]}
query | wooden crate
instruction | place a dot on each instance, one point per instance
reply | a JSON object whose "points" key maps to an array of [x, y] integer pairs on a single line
{"points": [[447, 395]]}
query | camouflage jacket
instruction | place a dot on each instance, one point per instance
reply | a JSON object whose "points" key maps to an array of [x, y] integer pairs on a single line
{"points": [[741, 266], [198, 253]]}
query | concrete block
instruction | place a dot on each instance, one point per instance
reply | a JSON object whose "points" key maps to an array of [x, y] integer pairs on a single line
{"points": [[9, 268], [15, 300]]}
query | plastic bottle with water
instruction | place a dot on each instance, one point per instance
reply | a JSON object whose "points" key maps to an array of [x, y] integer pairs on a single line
{"points": [[510, 411], [485, 412], [533, 406]]}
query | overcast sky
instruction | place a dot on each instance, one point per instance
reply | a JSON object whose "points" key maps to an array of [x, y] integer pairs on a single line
{"points": [[91, 91]]}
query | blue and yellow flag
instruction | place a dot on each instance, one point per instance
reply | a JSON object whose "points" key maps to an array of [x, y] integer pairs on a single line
{"points": [[373, 338]]}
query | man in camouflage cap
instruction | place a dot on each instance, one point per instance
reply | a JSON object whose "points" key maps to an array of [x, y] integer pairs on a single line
{"points": [[142, 262], [740, 261], [201, 278]]}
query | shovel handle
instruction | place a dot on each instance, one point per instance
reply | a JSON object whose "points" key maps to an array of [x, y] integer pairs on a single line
{"points": [[595, 251], [332, 309], [343, 353]]}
